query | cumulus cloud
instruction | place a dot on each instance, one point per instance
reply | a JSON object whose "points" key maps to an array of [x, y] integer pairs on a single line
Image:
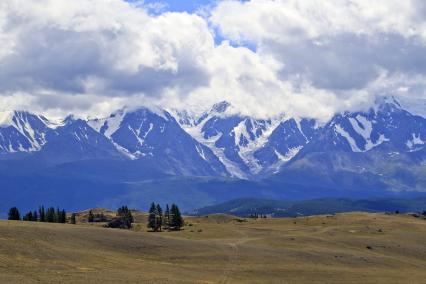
{"points": [[289, 20], [344, 47], [104, 48], [301, 58]]}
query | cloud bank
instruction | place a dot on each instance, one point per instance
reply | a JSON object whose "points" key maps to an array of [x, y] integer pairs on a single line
{"points": [[302, 58]]}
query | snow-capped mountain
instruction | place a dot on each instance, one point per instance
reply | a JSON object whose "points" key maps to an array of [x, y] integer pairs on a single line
{"points": [[388, 127], [251, 148], [22, 131], [220, 142], [284, 143], [75, 140], [218, 155], [233, 138], [156, 135]]}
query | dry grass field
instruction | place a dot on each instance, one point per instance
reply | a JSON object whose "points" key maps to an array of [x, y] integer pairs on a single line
{"points": [[345, 248]]}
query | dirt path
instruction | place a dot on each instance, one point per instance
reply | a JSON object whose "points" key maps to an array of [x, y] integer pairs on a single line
{"points": [[233, 253]]}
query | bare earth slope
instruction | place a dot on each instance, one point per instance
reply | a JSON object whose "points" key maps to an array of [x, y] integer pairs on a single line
{"points": [[345, 248]]}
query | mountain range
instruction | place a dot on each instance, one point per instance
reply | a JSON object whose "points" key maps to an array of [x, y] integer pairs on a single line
{"points": [[378, 152]]}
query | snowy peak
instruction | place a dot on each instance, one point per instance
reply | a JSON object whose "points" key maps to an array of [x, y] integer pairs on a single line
{"points": [[247, 146], [386, 127], [135, 130], [217, 110], [108, 126], [184, 118], [218, 142], [387, 104], [22, 131], [286, 140], [7, 118], [156, 135], [220, 107], [75, 141], [233, 138], [359, 131]]}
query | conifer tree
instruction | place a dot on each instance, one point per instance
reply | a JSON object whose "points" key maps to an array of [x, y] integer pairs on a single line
{"points": [[28, 216], [57, 215], [35, 216], [63, 216], [166, 220], [159, 217], [126, 214], [176, 218], [50, 215], [129, 217], [73, 219], [42, 214], [14, 214], [152, 217]]}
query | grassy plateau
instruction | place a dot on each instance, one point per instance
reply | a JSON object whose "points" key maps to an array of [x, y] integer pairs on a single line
{"points": [[341, 248]]}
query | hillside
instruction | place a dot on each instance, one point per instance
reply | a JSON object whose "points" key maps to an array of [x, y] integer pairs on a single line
{"points": [[345, 248], [278, 208]]}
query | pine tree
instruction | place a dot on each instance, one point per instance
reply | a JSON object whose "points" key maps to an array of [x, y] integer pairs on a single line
{"points": [[63, 216], [159, 217], [176, 218], [166, 220], [35, 216], [14, 214], [25, 217], [42, 214], [73, 219], [126, 215], [129, 217], [152, 218], [57, 215], [91, 216], [28, 216], [50, 215]]}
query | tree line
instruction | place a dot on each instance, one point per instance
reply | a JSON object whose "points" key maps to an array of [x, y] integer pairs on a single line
{"points": [[41, 215], [171, 219]]}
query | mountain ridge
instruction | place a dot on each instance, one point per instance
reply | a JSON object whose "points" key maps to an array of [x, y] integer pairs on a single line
{"points": [[382, 147]]}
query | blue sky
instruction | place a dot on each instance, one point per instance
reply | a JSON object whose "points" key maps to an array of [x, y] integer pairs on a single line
{"points": [[182, 5]]}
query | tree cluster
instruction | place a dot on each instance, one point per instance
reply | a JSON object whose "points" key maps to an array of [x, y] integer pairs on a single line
{"points": [[123, 220], [96, 217], [14, 214], [124, 213], [256, 216], [50, 215], [170, 220]]}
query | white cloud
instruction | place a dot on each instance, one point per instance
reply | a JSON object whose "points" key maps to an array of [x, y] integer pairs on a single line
{"points": [[310, 58], [288, 20], [342, 47]]}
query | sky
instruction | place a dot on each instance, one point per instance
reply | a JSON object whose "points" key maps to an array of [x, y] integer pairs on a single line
{"points": [[178, 5], [299, 58]]}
